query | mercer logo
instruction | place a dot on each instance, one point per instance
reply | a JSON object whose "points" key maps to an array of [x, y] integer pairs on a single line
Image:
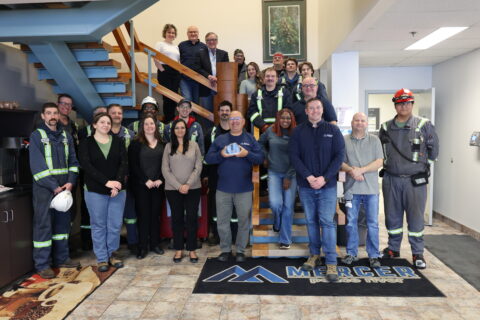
{"points": [[238, 274]]}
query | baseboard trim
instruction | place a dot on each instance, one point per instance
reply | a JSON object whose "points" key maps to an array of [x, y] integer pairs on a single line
{"points": [[456, 225]]}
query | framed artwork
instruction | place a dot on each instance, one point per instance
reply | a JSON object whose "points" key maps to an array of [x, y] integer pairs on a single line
{"points": [[284, 29]]}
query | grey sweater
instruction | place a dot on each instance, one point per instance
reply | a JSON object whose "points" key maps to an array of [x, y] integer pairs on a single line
{"points": [[181, 168], [276, 151]]}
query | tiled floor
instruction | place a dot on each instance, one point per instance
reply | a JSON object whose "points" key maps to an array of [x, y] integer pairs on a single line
{"points": [[156, 288]]}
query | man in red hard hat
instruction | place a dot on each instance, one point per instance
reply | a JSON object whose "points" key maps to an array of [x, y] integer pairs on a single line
{"points": [[409, 143]]}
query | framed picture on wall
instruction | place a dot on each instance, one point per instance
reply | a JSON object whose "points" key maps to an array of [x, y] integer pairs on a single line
{"points": [[284, 29]]}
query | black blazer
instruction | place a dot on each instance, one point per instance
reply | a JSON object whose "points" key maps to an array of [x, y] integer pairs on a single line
{"points": [[98, 170], [204, 66]]}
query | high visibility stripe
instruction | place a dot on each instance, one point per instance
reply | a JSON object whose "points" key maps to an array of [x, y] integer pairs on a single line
{"points": [[65, 143], [52, 172], [130, 221], [214, 219], [212, 135], [254, 116], [47, 148], [299, 97], [259, 102], [415, 234], [42, 244], [395, 231], [420, 124], [280, 99], [264, 177], [233, 220], [135, 126], [85, 227], [89, 131], [127, 137], [60, 236], [269, 120], [73, 169]]}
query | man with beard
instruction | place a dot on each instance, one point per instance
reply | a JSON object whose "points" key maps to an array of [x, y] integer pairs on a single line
{"points": [[54, 167]]}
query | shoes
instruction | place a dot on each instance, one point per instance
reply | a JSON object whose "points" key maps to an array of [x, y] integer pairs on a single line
{"points": [[374, 263], [141, 253], [103, 266], [47, 273], [115, 261], [195, 259], [240, 257], [312, 262], [332, 274], [158, 250], [284, 246], [69, 263], [224, 256], [275, 229], [349, 259], [213, 241], [390, 254], [177, 259], [419, 261]]}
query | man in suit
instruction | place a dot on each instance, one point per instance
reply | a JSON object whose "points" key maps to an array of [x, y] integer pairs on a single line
{"points": [[206, 65]]}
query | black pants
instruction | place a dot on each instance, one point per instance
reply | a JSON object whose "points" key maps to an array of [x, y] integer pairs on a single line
{"points": [[184, 217], [148, 206], [170, 79]]}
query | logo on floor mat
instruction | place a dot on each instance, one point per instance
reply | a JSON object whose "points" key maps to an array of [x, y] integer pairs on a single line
{"points": [[254, 275]]}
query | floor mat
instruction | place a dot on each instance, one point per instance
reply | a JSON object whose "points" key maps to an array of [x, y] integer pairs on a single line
{"points": [[396, 278], [461, 253], [51, 299]]}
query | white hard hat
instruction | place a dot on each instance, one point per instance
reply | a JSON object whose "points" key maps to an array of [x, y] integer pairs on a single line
{"points": [[151, 100], [62, 202]]}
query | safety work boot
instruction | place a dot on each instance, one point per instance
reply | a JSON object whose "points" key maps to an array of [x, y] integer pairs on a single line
{"points": [[115, 261], [332, 274], [419, 261], [374, 263], [390, 254], [312, 262], [103, 266], [47, 273], [69, 263], [349, 259]]}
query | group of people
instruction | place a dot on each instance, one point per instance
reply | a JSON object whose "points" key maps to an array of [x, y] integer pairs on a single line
{"points": [[128, 172]]}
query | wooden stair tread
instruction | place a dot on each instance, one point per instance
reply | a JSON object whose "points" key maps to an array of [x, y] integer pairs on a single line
{"points": [[272, 250], [118, 94], [109, 63], [78, 45]]}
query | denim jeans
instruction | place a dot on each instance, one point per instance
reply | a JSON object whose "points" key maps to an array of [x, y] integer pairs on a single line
{"points": [[106, 215], [320, 206], [190, 89], [370, 203], [281, 203]]}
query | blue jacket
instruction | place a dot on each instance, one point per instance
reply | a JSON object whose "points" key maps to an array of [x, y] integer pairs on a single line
{"points": [[317, 151], [63, 168], [235, 174]]}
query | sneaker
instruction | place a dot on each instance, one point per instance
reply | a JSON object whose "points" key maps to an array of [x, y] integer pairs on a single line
{"points": [[419, 261], [349, 259], [312, 262], [284, 246], [374, 263], [332, 274], [115, 261], [240, 257], [47, 273], [103, 266], [69, 263], [224, 256], [390, 254]]}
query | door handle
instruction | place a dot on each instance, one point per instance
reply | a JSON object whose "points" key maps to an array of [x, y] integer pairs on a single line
{"points": [[5, 212], [11, 218]]}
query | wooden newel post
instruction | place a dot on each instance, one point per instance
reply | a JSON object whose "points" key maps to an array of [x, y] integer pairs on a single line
{"points": [[227, 78]]}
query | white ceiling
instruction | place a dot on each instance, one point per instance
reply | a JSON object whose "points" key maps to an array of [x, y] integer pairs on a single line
{"points": [[384, 33]]}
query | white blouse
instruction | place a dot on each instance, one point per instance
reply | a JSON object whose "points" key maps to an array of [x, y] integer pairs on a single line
{"points": [[170, 50]]}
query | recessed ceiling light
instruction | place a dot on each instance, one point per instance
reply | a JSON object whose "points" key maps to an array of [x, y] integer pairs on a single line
{"points": [[435, 37]]}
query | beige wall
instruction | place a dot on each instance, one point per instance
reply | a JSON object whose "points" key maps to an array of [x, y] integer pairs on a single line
{"points": [[239, 24]]}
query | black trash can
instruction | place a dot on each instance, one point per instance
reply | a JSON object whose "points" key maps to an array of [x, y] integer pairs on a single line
{"points": [[362, 227]]}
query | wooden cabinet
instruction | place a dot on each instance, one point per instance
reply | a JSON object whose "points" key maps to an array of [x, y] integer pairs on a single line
{"points": [[16, 246]]}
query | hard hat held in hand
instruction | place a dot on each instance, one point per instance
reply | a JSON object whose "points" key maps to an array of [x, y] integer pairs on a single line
{"points": [[62, 202]]}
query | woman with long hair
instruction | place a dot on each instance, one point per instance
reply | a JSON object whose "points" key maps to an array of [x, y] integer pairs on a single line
{"points": [[181, 167], [145, 159], [253, 82], [282, 184], [104, 160], [166, 75]]}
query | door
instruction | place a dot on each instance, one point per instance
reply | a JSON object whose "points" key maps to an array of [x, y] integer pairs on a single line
{"points": [[5, 252]]}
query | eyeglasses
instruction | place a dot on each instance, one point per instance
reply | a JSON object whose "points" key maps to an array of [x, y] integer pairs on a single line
{"points": [[212, 40], [235, 118], [311, 86], [65, 103]]}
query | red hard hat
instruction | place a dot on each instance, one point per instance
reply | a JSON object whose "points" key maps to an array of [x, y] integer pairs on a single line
{"points": [[403, 95]]}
